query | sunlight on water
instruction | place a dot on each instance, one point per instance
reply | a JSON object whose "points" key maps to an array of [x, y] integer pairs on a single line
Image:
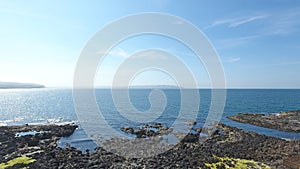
{"points": [[50, 106]]}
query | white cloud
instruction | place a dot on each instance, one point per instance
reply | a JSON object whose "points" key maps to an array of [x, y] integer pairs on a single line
{"points": [[219, 22], [247, 20], [284, 23], [235, 42], [115, 52], [276, 23], [121, 53], [234, 22], [232, 59], [152, 55]]}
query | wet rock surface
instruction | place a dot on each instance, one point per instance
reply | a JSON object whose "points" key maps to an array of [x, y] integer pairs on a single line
{"points": [[38, 146], [191, 122], [147, 130], [233, 143], [284, 121]]}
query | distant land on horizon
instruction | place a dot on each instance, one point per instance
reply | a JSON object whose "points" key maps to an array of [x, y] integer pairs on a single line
{"points": [[143, 87], [180, 87], [16, 85]]}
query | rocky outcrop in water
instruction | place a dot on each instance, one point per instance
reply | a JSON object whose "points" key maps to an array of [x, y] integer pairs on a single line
{"points": [[284, 121], [147, 130]]}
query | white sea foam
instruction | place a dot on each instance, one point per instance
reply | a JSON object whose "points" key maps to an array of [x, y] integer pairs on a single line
{"points": [[6, 122], [3, 124], [55, 121]]}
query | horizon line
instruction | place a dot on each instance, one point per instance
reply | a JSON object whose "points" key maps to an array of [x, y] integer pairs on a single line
{"points": [[171, 87]]}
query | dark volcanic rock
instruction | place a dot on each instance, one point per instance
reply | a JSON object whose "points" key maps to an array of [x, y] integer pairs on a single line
{"points": [[148, 130], [233, 142], [191, 138], [35, 146], [285, 121]]}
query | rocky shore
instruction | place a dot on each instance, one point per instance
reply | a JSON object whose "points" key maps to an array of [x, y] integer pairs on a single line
{"points": [[148, 130], [230, 147], [284, 121]]}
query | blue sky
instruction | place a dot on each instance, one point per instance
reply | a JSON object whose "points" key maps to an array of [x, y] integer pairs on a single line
{"points": [[257, 41]]}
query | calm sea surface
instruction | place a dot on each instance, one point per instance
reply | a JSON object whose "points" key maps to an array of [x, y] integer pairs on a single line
{"points": [[18, 107]]}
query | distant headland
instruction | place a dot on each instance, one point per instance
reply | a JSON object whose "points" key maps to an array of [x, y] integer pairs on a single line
{"points": [[141, 87], [15, 85]]}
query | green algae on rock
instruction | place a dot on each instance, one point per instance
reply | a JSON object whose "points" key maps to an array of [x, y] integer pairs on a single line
{"points": [[19, 160], [233, 163]]}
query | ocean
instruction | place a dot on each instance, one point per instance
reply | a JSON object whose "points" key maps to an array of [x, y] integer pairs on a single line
{"points": [[54, 105]]}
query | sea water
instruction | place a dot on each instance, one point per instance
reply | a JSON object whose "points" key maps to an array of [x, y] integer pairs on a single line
{"points": [[55, 105]]}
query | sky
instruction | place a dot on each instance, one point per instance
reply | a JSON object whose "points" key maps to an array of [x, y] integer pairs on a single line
{"points": [[257, 41]]}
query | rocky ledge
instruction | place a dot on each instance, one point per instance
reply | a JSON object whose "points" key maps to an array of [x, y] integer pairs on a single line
{"points": [[21, 146], [284, 121], [230, 148], [148, 130]]}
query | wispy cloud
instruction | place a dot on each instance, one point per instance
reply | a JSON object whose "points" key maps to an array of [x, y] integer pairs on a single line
{"points": [[276, 23], [283, 23], [232, 59], [234, 22], [247, 20], [235, 42], [119, 52], [152, 55]]}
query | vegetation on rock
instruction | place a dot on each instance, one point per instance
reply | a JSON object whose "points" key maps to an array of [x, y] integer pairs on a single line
{"points": [[19, 160]]}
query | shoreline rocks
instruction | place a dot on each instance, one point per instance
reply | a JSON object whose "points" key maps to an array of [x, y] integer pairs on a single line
{"points": [[232, 145], [284, 121], [191, 122], [14, 145], [147, 130]]}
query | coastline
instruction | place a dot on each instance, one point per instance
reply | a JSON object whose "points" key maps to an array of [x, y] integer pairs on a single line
{"points": [[220, 149], [283, 121], [15, 85]]}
